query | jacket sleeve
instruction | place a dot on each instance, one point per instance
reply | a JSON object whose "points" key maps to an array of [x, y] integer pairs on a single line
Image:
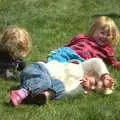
{"points": [[95, 65], [111, 59], [114, 62]]}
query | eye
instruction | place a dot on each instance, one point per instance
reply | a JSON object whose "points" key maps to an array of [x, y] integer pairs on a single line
{"points": [[107, 34]]}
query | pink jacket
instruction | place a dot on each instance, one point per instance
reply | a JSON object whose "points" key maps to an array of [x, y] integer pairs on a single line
{"points": [[86, 47]]}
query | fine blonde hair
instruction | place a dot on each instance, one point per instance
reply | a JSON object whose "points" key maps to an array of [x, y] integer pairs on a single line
{"points": [[16, 41], [106, 23]]}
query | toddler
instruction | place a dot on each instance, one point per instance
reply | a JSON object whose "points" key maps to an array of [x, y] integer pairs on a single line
{"points": [[15, 45], [55, 80], [102, 37]]}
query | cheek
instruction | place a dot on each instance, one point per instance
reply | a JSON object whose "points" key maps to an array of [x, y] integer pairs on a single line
{"points": [[97, 37], [100, 36]]}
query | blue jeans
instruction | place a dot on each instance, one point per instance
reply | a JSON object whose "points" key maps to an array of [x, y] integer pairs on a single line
{"points": [[35, 78], [64, 54]]}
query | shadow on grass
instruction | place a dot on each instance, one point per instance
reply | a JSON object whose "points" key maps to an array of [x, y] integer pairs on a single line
{"points": [[38, 100], [112, 15], [9, 79], [25, 102]]}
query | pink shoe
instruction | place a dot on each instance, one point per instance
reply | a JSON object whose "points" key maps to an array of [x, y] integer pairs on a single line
{"points": [[15, 98]]}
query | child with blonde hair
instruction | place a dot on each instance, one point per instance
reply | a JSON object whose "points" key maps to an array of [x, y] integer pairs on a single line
{"points": [[103, 36], [15, 45], [38, 79]]}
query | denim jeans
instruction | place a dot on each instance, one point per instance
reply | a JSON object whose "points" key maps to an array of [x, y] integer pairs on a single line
{"points": [[35, 78], [64, 54]]}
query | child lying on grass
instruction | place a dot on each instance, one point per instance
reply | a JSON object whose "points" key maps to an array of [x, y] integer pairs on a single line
{"points": [[100, 42], [54, 80]]}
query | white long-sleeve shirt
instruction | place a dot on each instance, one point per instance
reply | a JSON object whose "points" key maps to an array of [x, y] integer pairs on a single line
{"points": [[71, 74]]}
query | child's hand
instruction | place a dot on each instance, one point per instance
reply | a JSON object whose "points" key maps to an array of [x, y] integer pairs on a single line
{"points": [[105, 84], [108, 81], [88, 83]]}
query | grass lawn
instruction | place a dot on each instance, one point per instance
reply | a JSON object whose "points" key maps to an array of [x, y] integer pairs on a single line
{"points": [[52, 23]]}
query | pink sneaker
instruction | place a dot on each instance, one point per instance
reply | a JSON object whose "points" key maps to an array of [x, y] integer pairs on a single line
{"points": [[15, 98]]}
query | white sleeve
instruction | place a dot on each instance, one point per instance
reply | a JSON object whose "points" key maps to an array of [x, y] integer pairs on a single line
{"points": [[96, 65]]}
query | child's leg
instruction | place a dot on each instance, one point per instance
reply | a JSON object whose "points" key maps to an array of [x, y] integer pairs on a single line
{"points": [[59, 89], [50, 94], [43, 97], [17, 96], [56, 91], [36, 79]]}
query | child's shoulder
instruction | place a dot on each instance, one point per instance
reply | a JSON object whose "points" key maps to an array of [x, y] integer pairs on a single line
{"points": [[82, 36]]}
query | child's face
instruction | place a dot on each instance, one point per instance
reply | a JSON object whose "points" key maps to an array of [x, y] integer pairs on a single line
{"points": [[102, 36]]}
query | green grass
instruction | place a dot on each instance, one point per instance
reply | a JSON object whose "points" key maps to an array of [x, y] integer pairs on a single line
{"points": [[52, 23]]}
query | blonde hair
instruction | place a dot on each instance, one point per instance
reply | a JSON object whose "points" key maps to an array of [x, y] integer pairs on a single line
{"points": [[105, 22], [16, 40]]}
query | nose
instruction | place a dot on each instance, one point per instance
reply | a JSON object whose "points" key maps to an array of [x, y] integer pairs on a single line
{"points": [[104, 36]]}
